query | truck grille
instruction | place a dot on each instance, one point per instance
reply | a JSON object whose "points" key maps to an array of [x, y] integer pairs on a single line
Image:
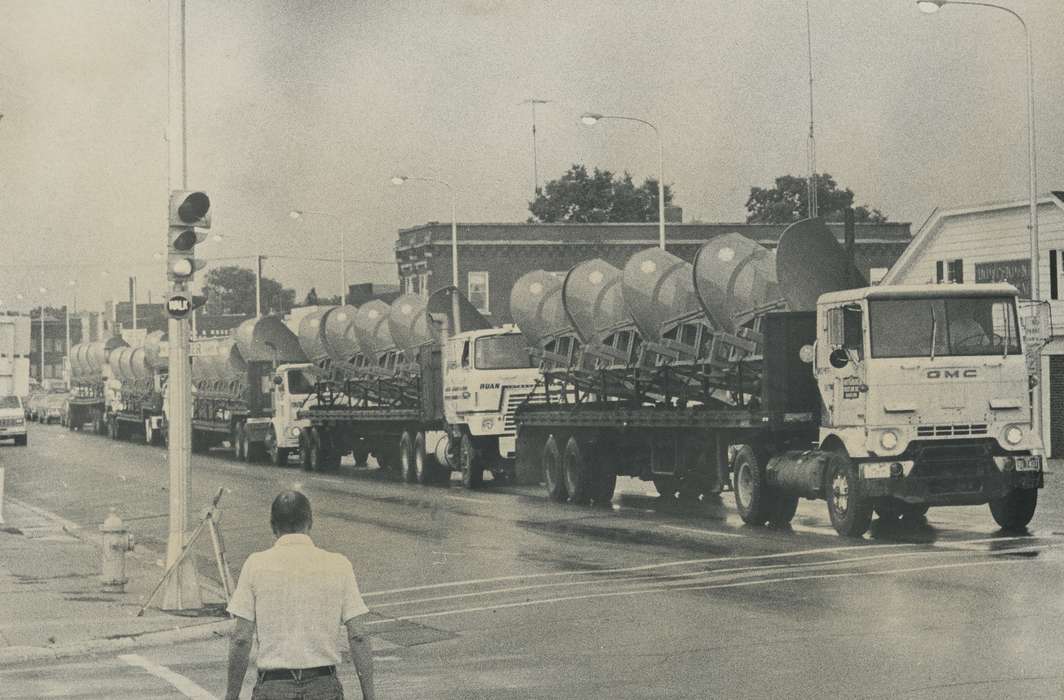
{"points": [[513, 400], [951, 430]]}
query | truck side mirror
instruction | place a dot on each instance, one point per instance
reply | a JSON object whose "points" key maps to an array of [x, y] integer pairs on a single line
{"points": [[277, 380], [839, 358]]}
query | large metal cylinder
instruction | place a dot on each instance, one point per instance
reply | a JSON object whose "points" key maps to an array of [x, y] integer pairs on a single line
{"points": [[811, 262], [157, 350], [592, 297], [536, 305], [409, 323], [75, 359], [340, 341], [735, 279], [371, 328], [268, 339], [138, 363], [118, 360], [311, 334], [659, 290], [215, 359], [100, 351]]}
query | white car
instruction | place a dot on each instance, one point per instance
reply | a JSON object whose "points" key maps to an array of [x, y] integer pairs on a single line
{"points": [[12, 419]]}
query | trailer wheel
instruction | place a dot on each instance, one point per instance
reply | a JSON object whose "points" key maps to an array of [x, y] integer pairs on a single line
{"points": [[577, 472], [407, 469], [469, 456], [552, 470], [1014, 510], [604, 484], [849, 510], [360, 454]]}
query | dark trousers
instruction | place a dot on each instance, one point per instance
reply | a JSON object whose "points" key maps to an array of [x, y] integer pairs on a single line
{"points": [[320, 688]]}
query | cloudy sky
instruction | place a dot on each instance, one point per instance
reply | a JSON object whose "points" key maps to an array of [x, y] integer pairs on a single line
{"points": [[314, 105]]}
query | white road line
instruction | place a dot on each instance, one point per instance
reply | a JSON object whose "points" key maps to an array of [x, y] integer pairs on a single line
{"points": [[184, 685], [466, 498], [664, 589], [644, 567], [712, 533], [329, 481]]}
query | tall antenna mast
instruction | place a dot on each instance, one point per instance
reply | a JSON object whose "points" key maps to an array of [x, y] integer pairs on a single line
{"points": [[811, 195], [535, 165]]}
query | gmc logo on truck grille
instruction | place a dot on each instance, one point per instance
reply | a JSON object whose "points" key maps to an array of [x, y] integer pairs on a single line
{"points": [[952, 373]]}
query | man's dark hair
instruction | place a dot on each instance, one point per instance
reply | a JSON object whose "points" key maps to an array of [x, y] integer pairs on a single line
{"points": [[290, 512]]}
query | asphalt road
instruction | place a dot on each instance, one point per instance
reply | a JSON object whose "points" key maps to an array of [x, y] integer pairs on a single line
{"points": [[501, 594]]}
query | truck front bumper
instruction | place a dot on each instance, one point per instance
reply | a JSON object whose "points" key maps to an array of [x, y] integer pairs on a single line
{"points": [[968, 480]]}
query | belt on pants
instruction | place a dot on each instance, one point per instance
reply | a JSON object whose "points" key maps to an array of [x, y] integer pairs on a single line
{"points": [[296, 674]]}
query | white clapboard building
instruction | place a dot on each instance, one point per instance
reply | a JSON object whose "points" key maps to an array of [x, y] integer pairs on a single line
{"points": [[991, 243]]}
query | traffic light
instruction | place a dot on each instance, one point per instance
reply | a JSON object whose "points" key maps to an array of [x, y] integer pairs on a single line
{"points": [[188, 211]]}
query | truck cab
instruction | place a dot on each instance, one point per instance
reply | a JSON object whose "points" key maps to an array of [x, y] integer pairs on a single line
{"points": [[290, 387], [487, 375], [926, 390]]}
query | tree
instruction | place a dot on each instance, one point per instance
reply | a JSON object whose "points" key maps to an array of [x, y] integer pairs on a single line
{"points": [[581, 198], [786, 202], [231, 290]]}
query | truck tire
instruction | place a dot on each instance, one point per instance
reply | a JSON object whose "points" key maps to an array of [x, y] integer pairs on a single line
{"points": [[236, 441], [849, 510], [472, 462], [278, 455], [426, 470], [552, 471], [666, 486], [896, 510], [306, 441], [21, 440], [604, 484], [578, 473], [528, 470], [407, 470], [784, 506], [360, 454], [1014, 510], [315, 452], [751, 491]]}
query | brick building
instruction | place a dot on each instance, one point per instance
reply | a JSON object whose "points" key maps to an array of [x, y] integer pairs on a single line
{"points": [[55, 348], [492, 257]]}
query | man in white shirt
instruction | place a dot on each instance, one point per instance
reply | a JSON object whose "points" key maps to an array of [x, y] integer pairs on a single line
{"points": [[293, 598]]}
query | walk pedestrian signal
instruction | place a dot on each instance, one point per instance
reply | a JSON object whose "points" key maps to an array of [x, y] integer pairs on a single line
{"points": [[189, 211]]}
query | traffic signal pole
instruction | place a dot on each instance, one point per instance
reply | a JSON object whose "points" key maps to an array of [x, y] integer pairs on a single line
{"points": [[182, 590]]}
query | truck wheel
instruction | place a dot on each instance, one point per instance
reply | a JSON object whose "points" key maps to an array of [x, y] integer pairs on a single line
{"points": [[407, 468], [112, 428], [360, 454], [666, 486], [783, 509], [751, 491], [1015, 510], [896, 510], [528, 471], [577, 473], [315, 453], [278, 455], [306, 449], [850, 512], [552, 471], [472, 463], [605, 481], [236, 443], [426, 470], [21, 440]]}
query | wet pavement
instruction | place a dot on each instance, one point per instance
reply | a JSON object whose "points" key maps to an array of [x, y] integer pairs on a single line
{"points": [[501, 593]]}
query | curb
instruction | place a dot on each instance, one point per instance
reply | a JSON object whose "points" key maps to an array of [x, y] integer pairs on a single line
{"points": [[192, 633]]}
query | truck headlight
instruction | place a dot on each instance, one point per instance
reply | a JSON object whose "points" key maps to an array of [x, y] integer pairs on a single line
{"points": [[1013, 435], [294, 432], [888, 439], [487, 424]]}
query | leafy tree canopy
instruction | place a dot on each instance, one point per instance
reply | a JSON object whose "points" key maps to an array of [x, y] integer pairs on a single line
{"points": [[231, 290], [578, 197], [786, 202]]}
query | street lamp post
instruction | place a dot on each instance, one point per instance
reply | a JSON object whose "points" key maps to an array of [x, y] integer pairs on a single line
{"points": [[591, 118], [932, 6], [399, 180], [299, 214]]}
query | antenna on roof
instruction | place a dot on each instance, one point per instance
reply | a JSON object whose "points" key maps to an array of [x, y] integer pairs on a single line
{"points": [[535, 166]]}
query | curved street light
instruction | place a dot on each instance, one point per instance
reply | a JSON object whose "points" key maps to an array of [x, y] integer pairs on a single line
{"points": [[402, 179], [297, 214], [592, 118]]}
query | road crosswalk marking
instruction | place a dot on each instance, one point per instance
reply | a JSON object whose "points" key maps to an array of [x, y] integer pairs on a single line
{"points": [[185, 686]]}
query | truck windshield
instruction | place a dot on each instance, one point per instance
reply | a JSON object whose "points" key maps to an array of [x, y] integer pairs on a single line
{"points": [[502, 352], [9, 402], [299, 382], [958, 326]]}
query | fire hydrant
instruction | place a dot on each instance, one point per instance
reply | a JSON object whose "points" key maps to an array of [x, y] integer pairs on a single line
{"points": [[116, 541]]}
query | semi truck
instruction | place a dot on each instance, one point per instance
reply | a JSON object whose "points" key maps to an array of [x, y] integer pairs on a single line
{"points": [[135, 390], [14, 377], [396, 381], [246, 390], [89, 372], [778, 375]]}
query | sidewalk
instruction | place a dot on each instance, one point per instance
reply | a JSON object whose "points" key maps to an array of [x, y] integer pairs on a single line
{"points": [[52, 604]]}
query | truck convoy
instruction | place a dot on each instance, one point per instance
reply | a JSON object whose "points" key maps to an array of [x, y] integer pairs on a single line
{"points": [[14, 377], [396, 381], [135, 390], [781, 372], [90, 371]]}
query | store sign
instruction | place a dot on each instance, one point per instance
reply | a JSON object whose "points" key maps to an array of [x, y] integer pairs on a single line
{"points": [[1015, 272]]}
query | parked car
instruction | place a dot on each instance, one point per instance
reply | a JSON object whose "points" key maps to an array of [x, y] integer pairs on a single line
{"points": [[34, 405], [12, 420], [53, 409]]}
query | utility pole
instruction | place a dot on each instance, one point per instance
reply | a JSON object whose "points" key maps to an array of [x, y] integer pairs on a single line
{"points": [[535, 160], [182, 588], [258, 287]]}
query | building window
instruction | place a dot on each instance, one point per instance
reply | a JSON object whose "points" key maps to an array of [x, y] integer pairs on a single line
{"points": [[409, 282], [876, 274], [478, 291], [423, 283], [949, 271], [1054, 279]]}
